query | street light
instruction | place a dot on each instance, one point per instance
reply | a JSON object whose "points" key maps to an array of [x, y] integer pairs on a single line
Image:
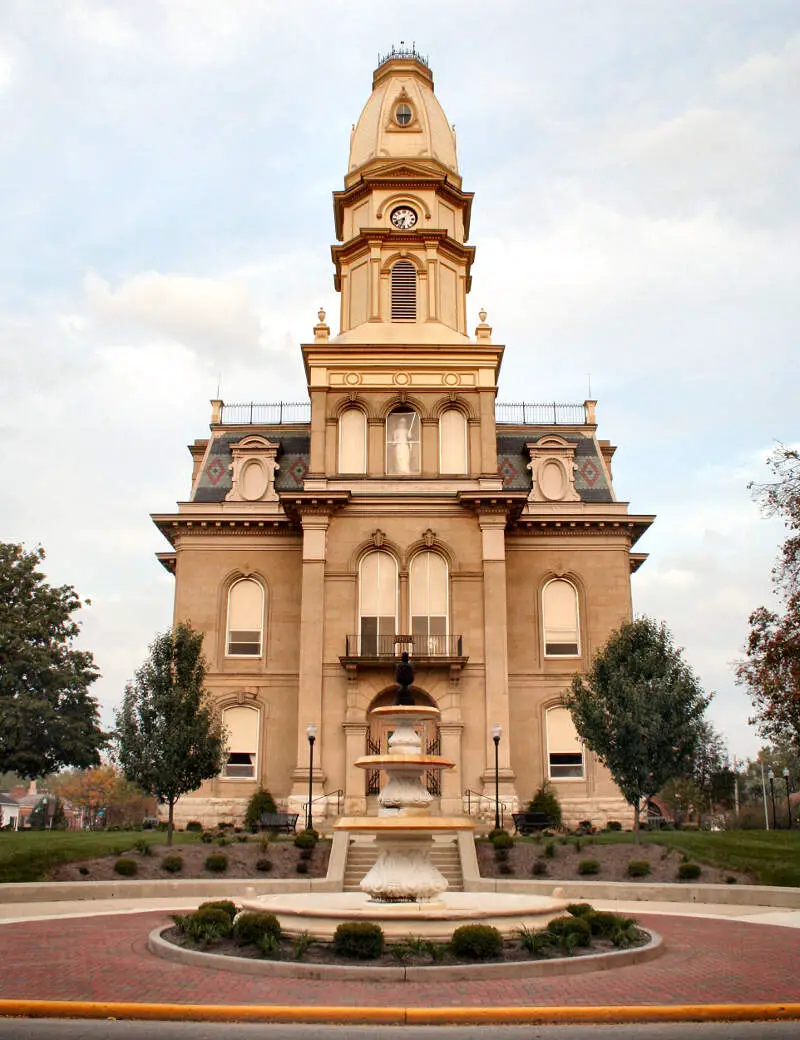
{"points": [[311, 733], [496, 734], [771, 778], [788, 803]]}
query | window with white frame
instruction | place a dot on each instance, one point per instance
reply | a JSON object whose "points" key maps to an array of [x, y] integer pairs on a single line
{"points": [[353, 441], [241, 744], [245, 619], [404, 291], [402, 442], [452, 442], [428, 579], [564, 746], [377, 604], [560, 615]]}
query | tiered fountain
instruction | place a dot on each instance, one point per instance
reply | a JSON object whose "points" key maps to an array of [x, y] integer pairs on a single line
{"points": [[403, 891]]}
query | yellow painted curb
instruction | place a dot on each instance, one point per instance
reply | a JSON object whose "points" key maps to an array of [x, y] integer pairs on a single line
{"points": [[399, 1015]]}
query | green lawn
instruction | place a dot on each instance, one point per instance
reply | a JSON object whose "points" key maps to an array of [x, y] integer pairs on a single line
{"points": [[772, 857], [28, 855]]}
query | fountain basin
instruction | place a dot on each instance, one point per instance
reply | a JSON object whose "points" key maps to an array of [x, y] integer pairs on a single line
{"points": [[320, 913]]}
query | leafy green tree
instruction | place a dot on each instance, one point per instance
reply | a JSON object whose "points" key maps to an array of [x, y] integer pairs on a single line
{"points": [[771, 671], [48, 719], [169, 737], [640, 709]]}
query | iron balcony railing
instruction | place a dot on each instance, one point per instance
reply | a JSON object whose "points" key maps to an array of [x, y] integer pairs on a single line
{"points": [[540, 414], [403, 51], [278, 413], [393, 646]]}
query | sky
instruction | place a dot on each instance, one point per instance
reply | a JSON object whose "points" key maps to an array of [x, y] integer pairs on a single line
{"points": [[166, 221]]}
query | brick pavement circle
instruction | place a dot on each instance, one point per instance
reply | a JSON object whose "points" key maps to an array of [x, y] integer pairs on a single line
{"points": [[106, 959]]}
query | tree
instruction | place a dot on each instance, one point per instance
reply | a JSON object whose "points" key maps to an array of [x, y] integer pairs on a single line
{"points": [[90, 790], [771, 671], [640, 709], [48, 719], [169, 737]]}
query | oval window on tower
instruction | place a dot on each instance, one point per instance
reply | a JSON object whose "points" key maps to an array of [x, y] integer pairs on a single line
{"points": [[402, 114]]}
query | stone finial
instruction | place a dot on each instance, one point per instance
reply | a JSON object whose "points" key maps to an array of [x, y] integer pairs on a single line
{"points": [[483, 332], [322, 332], [216, 411], [591, 413]]}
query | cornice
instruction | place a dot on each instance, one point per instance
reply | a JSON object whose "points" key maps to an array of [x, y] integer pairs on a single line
{"points": [[633, 527], [367, 237], [422, 180], [299, 504], [177, 525], [492, 502]]}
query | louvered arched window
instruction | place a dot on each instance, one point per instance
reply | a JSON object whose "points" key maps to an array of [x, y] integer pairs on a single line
{"points": [[245, 618], [429, 603], [377, 604], [241, 742], [560, 611], [404, 291], [353, 441], [564, 746], [452, 442]]}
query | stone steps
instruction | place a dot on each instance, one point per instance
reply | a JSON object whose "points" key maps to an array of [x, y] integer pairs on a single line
{"points": [[361, 857]]}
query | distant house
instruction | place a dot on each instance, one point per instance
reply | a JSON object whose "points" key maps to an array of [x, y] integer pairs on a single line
{"points": [[10, 809]]}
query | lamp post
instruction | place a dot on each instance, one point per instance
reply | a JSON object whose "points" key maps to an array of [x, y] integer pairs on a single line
{"points": [[496, 734], [311, 733], [44, 814], [788, 803], [771, 778]]}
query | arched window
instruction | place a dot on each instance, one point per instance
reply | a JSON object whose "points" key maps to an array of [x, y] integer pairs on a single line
{"points": [[402, 442], [353, 441], [245, 619], [404, 291], [377, 599], [429, 603], [241, 744], [560, 613], [564, 746], [452, 442]]}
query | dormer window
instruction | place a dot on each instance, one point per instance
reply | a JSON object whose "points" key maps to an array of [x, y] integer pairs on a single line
{"points": [[402, 114]]}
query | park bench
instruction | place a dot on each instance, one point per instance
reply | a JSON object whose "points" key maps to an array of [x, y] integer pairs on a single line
{"points": [[278, 821], [525, 822]]}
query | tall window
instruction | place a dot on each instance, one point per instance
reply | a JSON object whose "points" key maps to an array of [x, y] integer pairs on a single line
{"points": [[402, 442], [452, 442], [404, 291], [241, 745], [429, 603], [353, 441], [564, 747], [560, 613], [378, 604], [245, 618]]}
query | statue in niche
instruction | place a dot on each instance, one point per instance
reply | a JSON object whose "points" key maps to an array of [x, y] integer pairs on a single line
{"points": [[403, 443]]}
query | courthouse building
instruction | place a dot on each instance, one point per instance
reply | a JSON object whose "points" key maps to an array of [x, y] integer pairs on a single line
{"points": [[401, 507]]}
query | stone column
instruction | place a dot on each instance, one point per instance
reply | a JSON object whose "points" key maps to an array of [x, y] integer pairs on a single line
{"points": [[452, 779], [355, 800], [315, 521], [492, 522]]}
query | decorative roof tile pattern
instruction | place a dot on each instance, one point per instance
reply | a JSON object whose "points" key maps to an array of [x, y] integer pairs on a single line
{"points": [[591, 482], [214, 482]]}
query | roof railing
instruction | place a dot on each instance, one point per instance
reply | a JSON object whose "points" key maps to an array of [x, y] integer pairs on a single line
{"points": [[522, 413], [404, 51]]}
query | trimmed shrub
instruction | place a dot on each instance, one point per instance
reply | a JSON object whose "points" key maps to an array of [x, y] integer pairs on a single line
{"points": [[476, 942], [306, 839], [126, 867], [306, 854], [142, 846], [502, 840], [172, 864], [358, 940], [302, 867], [570, 931], [638, 868], [501, 855], [546, 801], [604, 924], [260, 802], [580, 909], [264, 865], [222, 841], [689, 871], [220, 904], [613, 825], [249, 928], [85, 871], [505, 868], [206, 837], [550, 849], [241, 837], [494, 832], [217, 863], [206, 925], [539, 868], [194, 825], [224, 825], [730, 880], [588, 866]]}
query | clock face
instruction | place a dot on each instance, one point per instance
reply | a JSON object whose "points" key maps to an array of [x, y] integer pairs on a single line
{"points": [[403, 217]]}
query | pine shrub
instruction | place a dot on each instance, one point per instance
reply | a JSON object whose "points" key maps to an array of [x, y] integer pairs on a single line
{"points": [[358, 940], [476, 942], [260, 802], [546, 801], [249, 928]]}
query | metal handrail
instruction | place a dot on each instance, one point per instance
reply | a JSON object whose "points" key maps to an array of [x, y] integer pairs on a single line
{"points": [[339, 795], [482, 796], [393, 646], [275, 413], [540, 413]]}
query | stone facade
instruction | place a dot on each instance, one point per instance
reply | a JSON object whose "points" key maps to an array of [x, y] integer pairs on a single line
{"points": [[306, 550]]}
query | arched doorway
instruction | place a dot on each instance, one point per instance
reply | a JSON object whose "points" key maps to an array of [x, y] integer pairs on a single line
{"points": [[380, 730]]}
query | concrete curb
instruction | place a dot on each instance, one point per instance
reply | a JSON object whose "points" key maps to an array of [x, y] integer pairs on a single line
{"points": [[578, 965], [400, 1015]]}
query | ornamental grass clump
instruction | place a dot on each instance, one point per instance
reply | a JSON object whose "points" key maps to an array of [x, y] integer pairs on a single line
{"points": [[126, 867], [205, 925], [250, 928], [476, 942], [358, 940]]}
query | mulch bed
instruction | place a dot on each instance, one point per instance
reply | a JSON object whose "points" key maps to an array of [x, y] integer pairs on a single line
{"points": [[612, 859], [242, 858]]}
